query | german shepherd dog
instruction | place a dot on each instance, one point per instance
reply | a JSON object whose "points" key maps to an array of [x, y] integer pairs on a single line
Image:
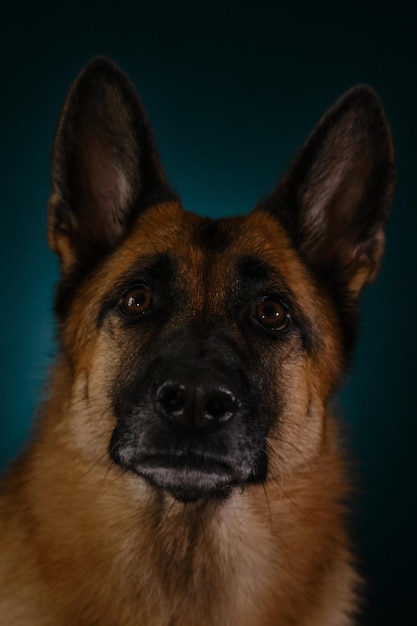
{"points": [[186, 469]]}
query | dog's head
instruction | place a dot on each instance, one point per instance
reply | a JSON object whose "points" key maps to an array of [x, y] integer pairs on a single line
{"points": [[197, 352]]}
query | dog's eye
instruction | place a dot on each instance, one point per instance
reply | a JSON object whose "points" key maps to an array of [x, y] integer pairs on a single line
{"points": [[272, 314], [136, 301]]}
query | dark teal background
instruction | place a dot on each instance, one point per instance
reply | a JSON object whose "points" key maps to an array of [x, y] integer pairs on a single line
{"points": [[232, 89]]}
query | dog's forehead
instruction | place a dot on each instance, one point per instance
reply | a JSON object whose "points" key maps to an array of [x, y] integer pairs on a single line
{"points": [[209, 256], [212, 255], [198, 241], [207, 260]]}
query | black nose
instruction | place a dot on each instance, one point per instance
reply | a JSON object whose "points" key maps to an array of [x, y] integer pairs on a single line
{"points": [[195, 406]]}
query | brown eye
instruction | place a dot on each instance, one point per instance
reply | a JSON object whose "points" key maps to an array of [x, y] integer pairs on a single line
{"points": [[136, 301], [272, 314]]}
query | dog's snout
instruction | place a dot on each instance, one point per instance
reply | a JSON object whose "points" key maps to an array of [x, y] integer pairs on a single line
{"points": [[195, 405]]}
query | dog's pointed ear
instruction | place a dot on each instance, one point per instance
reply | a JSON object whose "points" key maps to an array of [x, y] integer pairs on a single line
{"points": [[105, 166], [334, 199]]}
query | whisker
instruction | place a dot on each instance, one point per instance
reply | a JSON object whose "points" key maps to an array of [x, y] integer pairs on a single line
{"points": [[303, 426], [294, 447], [268, 505]]}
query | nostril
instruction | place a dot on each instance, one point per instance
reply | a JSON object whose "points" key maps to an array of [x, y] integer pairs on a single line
{"points": [[195, 407], [171, 398], [220, 406]]}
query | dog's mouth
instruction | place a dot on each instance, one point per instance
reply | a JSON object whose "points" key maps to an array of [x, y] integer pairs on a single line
{"points": [[187, 476]]}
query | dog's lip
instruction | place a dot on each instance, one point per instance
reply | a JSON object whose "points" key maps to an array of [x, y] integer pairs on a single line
{"points": [[181, 460], [187, 474], [192, 472], [188, 477]]}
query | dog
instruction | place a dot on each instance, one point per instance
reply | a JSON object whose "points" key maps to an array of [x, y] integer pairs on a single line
{"points": [[187, 469]]}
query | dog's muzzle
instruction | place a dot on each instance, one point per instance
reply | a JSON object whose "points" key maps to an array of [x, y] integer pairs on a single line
{"points": [[192, 427]]}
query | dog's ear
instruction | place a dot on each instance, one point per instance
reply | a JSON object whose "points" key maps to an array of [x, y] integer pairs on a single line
{"points": [[105, 166], [335, 197]]}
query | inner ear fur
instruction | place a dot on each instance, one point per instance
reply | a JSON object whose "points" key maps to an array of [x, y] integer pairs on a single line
{"points": [[334, 199], [105, 166]]}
